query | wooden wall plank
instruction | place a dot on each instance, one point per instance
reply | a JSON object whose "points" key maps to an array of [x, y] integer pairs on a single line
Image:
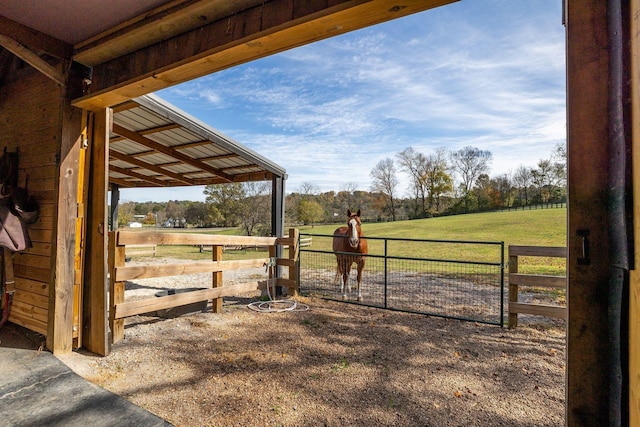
{"points": [[30, 111], [34, 286]]}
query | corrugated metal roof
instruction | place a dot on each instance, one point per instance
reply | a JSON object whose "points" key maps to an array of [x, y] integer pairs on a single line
{"points": [[154, 144]]}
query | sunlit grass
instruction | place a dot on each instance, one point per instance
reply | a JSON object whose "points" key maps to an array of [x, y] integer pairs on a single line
{"points": [[544, 227]]}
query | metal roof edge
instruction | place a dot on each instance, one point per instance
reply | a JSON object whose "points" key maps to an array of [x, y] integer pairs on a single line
{"points": [[173, 113]]}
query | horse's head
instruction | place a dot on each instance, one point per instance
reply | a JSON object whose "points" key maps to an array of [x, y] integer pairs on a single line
{"points": [[353, 224]]}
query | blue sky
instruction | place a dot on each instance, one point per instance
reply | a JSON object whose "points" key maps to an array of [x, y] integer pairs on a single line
{"points": [[482, 73]]}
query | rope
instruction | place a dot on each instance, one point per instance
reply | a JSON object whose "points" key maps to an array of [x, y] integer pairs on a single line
{"points": [[273, 305]]}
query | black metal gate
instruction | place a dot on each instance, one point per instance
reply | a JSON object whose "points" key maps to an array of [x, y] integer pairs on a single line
{"points": [[462, 280]]}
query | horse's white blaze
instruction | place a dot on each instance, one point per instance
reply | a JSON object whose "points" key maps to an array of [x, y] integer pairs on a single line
{"points": [[353, 240]]}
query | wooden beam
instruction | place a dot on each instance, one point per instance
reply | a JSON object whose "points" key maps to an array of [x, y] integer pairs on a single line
{"points": [[123, 183], [32, 59], [151, 131], [60, 328], [140, 176], [587, 377], [169, 151], [95, 331], [253, 33], [35, 40], [155, 26], [158, 169]]}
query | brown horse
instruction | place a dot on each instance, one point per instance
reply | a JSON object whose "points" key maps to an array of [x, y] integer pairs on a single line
{"points": [[348, 240]]}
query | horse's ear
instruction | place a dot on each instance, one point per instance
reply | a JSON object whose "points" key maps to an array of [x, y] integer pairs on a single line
{"points": [[349, 213], [358, 214]]}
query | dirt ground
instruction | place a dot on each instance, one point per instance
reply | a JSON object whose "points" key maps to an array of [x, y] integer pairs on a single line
{"points": [[334, 365]]}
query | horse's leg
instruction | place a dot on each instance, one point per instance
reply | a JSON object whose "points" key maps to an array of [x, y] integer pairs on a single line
{"points": [[360, 268]]}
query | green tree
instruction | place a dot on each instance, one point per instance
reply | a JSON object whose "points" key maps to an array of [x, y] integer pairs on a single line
{"points": [[310, 212], [227, 199]]}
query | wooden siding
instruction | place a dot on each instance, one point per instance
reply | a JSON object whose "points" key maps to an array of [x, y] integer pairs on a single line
{"points": [[31, 125]]}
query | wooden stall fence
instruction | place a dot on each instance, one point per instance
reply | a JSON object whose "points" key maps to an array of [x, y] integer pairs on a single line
{"points": [[541, 281], [119, 241]]}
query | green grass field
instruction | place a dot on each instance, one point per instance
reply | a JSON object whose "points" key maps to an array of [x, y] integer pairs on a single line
{"points": [[543, 227]]}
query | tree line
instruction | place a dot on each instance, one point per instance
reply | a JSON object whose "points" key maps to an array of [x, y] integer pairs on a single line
{"points": [[440, 183]]}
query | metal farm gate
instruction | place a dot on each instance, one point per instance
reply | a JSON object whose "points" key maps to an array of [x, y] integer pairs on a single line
{"points": [[455, 279]]}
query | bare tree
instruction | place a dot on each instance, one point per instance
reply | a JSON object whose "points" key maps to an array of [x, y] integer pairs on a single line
{"points": [[385, 181], [522, 180], [414, 163], [309, 189], [470, 163]]}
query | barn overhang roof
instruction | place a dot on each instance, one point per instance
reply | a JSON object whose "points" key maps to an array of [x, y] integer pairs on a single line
{"points": [[154, 144]]}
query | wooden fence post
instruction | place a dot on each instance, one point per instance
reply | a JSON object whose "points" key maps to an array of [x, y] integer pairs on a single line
{"points": [[216, 306], [116, 291], [294, 235], [513, 289]]}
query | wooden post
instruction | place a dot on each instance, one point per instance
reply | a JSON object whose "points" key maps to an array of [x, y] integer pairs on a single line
{"points": [[216, 306], [116, 294], [588, 186], [94, 332], [294, 235], [513, 290], [60, 316]]}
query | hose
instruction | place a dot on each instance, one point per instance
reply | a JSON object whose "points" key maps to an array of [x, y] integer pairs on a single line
{"points": [[273, 305]]}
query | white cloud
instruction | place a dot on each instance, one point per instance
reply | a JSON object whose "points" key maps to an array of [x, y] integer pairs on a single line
{"points": [[488, 74]]}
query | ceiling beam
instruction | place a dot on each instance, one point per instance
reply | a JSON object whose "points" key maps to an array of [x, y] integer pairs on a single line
{"points": [[158, 129], [140, 176], [32, 59], [142, 164], [253, 33], [35, 40], [154, 26], [123, 183], [169, 151]]}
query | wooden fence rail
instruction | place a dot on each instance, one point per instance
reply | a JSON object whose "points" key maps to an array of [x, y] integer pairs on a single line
{"points": [[517, 279], [119, 241]]}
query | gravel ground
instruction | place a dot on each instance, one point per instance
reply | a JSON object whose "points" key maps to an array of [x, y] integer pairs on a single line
{"points": [[333, 365]]}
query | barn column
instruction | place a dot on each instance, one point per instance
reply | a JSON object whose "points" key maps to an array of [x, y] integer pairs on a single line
{"points": [[588, 393], [634, 292], [61, 299], [95, 331]]}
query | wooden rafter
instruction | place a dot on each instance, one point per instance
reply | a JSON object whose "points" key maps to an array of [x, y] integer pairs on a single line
{"points": [[169, 151], [150, 131], [135, 174], [155, 168], [219, 157], [130, 184], [35, 40], [32, 59]]}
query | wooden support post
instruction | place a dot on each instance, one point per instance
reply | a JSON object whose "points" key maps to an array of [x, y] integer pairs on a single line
{"points": [[513, 290], [216, 306], [60, 315], [294, 252], [95, 337], [116, 294]]}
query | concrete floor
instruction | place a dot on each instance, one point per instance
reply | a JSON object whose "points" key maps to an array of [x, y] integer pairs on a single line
{"points": [[37, 389]]}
